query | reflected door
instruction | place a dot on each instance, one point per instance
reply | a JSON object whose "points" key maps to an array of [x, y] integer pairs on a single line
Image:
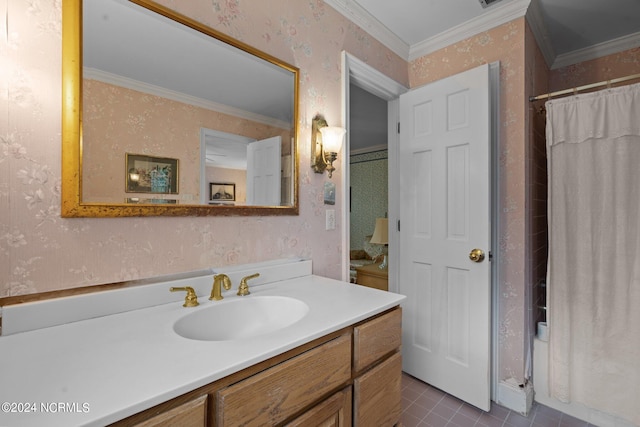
{"points": [[263, 172]]}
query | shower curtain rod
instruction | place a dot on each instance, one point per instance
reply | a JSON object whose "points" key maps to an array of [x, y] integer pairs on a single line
{"points": [[585, 87]]}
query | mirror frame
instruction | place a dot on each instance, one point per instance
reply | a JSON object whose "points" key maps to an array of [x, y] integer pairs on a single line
{"points": [[72, 144]]}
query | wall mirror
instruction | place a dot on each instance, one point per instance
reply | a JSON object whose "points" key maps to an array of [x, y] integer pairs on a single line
{"points": [[159, 109]]}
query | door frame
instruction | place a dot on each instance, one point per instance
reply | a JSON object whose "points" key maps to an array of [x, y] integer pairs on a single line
{"points": [[204, 133], [355, 71]]}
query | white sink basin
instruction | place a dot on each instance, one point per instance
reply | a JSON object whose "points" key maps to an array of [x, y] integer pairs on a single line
{"points": [[244, 318]]}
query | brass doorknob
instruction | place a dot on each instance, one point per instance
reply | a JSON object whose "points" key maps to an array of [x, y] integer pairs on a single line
{"points": [[476, 255]]}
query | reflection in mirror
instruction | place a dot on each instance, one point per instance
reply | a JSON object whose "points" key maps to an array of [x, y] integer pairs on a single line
{"points": [[167, 88], [260, 174], [225, 161]]}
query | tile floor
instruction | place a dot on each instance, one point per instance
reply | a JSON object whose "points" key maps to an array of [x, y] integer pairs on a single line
{"points": [[424, 406]]}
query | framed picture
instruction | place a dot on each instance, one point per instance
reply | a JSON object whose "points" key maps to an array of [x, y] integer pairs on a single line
{"points": [[148, 174], [222, 192]]}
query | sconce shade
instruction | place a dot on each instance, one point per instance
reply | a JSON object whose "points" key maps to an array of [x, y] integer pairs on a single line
{"points": [[332, 138], [325, 144], [381, 232], [134, 175]]}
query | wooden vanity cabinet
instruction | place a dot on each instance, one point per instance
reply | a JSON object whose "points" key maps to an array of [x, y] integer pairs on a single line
{"points": [[377, 370], [275, 395], [349, 377], [190, 414], [377, 394], [332, 412]]}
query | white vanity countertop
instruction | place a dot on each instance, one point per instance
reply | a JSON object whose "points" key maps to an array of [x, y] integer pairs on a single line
{"points": [[108, 368]]}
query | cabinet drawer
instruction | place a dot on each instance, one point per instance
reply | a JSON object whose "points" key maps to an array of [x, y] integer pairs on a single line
{"points": [[272, 396], [190, 414], [376, 338], [377, 394], [332, 412]]}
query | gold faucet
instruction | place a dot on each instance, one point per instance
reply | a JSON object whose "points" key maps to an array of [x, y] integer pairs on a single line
{"points": [[191, 300], [243, 289], [219, 280]]}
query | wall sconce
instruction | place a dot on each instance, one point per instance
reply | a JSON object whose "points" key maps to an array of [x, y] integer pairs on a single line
{"points": [[134, 175], [134, 178], [326, 141]]}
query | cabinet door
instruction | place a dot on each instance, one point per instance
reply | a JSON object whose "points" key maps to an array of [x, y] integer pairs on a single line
{"points": [[332, 412], [377, 394], [190, 414], [375, 339], [274, 395]]}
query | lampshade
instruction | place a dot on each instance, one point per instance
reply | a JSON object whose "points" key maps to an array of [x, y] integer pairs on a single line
{"points": [[134, 175], [332, 138], [381, 232]]}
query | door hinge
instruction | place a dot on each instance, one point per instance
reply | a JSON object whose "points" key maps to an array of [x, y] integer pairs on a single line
{"points": [[398, 127], [398, 225]]}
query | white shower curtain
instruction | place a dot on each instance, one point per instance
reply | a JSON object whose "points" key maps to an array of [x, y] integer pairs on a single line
{"points": [[593, 151]]}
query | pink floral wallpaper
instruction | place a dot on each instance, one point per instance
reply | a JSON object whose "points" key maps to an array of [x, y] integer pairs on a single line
{"points": [[601, 69], [39, 251]]}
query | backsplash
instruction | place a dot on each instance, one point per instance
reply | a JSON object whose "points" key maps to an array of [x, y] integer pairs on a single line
{"points": [[142, 294]]}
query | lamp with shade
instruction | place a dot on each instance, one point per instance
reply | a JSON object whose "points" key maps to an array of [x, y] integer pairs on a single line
{"points": [[381, 237], [326, 143]]}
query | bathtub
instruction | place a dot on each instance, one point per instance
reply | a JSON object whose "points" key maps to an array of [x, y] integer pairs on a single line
{"points": [[541, 388]]}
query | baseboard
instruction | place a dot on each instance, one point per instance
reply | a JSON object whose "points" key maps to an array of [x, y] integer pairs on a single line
{"points": [[515, 396]]}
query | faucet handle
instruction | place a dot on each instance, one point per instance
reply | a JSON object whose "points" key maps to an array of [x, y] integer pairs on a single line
{"points": [[243, 289], [191, 299]]}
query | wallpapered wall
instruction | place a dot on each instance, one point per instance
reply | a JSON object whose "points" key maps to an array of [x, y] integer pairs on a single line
{"points": [[369, 194], [167, 129], [41, 251], [601, 69]]}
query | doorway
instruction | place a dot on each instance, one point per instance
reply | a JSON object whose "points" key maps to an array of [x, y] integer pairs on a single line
{"points": [[368, 164], [373, 83], [358, 73]]}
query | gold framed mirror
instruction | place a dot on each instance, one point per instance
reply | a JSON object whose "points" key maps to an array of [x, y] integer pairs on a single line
{"points": [[187, 105]]}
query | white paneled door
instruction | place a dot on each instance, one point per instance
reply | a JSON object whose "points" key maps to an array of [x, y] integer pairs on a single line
{"points": [[445, 234], [264, 172]]}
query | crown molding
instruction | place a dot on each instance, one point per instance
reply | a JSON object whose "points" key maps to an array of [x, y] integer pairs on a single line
{"points": [[359, 16], [491, 19], [597, 51], [364, 76], [540, 32], [114, 79]]}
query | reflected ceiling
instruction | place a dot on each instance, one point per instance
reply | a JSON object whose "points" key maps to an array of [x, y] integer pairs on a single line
{"points": [[116, 34]]}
